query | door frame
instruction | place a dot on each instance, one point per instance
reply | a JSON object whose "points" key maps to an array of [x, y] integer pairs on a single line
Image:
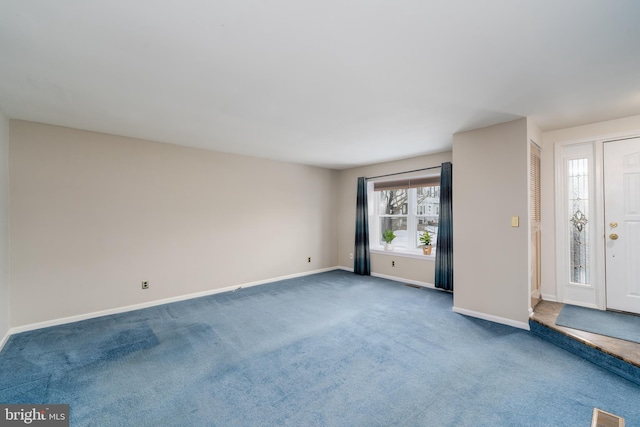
{"points": [[590, 295], [598, 239]]}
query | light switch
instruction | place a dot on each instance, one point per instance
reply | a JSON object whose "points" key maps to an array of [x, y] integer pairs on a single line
{"points": [[515, 221]]}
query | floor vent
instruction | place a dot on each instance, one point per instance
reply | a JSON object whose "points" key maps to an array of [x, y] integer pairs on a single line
{"points": [[605, 419]]}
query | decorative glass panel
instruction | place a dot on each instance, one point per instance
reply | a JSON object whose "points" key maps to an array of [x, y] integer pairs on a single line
{"points": [[579, 228]]}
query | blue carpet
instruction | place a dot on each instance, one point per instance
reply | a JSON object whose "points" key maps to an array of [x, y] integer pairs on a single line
{"points": [[332, 349], [616, 325]]}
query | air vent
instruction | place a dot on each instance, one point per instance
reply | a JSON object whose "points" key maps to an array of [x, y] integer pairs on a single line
{"points": [[605, 419]]}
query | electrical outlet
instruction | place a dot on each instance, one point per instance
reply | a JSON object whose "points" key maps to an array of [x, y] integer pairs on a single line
{"points": [[393, 263], [350, 256], [308, 259], [145, 284]]}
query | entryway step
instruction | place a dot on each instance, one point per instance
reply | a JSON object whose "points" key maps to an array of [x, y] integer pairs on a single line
{"points": [[618, 356]]}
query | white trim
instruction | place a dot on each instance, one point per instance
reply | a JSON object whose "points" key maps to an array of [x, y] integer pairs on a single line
{"points": [[409, 281], [590, 293], [597, 140], [77, 318], [492, 318], [599, 227], [4, 339], [398, 279], [534, 230], [411, 215], [599, 238]]}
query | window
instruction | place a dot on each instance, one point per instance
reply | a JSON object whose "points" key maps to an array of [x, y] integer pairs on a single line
{"points": [[578, 182], [580, 246], [408, 207]]}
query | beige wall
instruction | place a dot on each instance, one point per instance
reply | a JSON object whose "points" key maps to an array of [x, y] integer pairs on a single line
{"points": [[93, 215], [594, 131], [491, 257], [411, 269], [4, 227]]}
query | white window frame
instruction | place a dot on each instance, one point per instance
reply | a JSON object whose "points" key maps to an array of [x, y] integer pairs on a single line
{"points": [[412, 217]]}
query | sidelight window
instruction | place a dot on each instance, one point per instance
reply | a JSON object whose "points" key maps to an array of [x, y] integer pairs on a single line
{"points": [[579, 226]]}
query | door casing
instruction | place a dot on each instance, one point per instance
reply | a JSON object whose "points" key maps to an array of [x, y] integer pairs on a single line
{"points": [[596, 145], [592, 294]]}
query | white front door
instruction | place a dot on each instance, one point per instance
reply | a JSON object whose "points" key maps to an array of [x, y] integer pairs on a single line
{"points": [[622, 224]]}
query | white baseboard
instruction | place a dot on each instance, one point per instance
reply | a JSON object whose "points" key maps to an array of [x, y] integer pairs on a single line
{"points": [[4, 339], [77, 318], [549, 297], [409, 281], [492, 318], [397, 279]]}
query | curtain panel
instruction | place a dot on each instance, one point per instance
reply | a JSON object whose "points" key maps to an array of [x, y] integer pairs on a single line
{"points": [[444, 245], [361, 259]]}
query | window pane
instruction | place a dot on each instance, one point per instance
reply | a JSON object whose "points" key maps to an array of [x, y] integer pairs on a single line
{"points": [[578, 181], [428, 202], [427, 224], [393, 202], [399, 227], [427, 209]]}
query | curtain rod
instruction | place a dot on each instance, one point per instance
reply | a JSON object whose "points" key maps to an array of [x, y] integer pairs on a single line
{"points": [[401, 173]]}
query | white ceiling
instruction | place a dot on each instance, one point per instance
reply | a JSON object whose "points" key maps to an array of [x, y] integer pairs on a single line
{"points": [[333, 83]]}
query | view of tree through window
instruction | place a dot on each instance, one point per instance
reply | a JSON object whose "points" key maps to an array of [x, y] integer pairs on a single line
{"points": [[393, 214], [409, 212]]}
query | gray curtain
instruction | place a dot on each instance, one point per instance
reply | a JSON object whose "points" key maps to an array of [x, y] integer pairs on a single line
{"points": [[444, 245], [361, 261]]}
